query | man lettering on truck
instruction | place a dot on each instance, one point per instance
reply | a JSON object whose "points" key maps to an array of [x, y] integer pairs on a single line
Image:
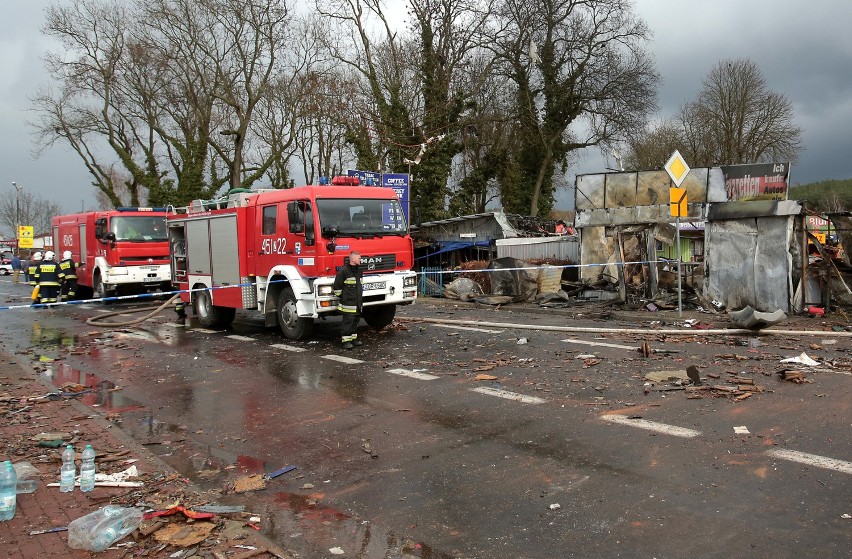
{"points": [[347, 288]]}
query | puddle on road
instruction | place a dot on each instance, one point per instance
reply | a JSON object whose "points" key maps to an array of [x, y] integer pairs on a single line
{"points": [[103, 395]]}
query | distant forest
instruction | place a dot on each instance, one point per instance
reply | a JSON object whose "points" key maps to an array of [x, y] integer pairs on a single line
{"points": [[825, 196]]}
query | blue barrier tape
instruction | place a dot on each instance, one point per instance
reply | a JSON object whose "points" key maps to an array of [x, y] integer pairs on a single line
{"points": [[176, 292]]}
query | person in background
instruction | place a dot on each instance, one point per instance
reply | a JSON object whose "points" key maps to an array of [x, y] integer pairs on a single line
{"points": [[25, 268], [347, 288], [561, 228], [68, 291], [16, 268], [32, 266], [48, 277]]}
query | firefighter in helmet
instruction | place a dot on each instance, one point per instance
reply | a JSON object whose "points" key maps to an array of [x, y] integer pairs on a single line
{"points": [[49, 278], [35, 260], [69, 282], [347, 287]]}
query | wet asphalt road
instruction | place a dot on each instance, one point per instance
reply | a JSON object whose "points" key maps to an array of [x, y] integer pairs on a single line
{"points": [[402, 454]]}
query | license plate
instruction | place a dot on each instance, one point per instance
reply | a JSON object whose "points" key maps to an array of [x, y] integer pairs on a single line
{"points": [[150, 280], [374, 285]]}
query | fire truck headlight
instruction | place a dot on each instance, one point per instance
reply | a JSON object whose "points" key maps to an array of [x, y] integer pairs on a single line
{"points": [[409, 281], [325, 290]]}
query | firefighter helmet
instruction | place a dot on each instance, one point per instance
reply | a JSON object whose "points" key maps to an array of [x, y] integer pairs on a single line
{"points": [[66, 255], [37, 256], [49, 255]]}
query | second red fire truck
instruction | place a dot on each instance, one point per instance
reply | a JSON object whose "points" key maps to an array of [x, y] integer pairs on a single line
{"points": [[118, 252], [277, 252]]}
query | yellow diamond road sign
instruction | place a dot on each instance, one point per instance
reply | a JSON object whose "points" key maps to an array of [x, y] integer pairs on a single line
{"points": [[677, 168]]}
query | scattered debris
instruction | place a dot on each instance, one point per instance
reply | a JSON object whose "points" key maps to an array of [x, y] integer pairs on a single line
{"points": [[801, 359], [336, 551], [279, 472], [484, 377], [741, 430], [694, 375], [755, 320], [666, 376], [793, 376], [253, 482], [367, 447], [184, 535]]}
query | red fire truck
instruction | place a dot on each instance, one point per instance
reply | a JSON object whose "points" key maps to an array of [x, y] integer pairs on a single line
{"points": [[277, 252], [118, 252]]}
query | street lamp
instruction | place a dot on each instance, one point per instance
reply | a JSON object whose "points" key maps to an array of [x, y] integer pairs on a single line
{"points": [[235, 163], [17, 216]]}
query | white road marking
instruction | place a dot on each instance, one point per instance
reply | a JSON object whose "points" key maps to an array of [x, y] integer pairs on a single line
{"points": [[241, 338], [812, 460], [174, 325], [288, 347], [413, 373], [204, 331], [652, 426], [508, 395], [469, 329], [342, 359], [601, 344]]}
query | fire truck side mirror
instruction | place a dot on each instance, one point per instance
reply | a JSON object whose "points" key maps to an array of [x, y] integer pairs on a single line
{"points": [[330, 232]]}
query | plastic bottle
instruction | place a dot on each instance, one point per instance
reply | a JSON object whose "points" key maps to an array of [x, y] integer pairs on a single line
{"points": [[27, 477], [87, 469], [100, 529], [68, 471], [26, 486], [8, 491]]}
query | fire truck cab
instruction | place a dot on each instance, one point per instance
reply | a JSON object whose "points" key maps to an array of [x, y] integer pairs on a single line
{"points": [[117, 252], [277, 252]]}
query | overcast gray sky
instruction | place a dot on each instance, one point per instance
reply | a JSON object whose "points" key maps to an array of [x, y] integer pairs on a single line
{"points": [[804, 50]]}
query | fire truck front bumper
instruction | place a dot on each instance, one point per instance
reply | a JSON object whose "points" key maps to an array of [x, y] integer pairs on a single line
{"points": [[379, 289]]}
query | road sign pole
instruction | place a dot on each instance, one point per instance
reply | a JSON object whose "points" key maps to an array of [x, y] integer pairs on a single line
{"points": [[679, 292]]}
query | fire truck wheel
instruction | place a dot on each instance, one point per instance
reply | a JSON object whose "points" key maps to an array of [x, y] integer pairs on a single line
{"points": [[99, 290], [209, 315], [380, 316], [293, 326]]}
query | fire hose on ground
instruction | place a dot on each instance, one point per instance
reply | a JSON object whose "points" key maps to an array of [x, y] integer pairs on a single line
{"points": [[99, 320]]}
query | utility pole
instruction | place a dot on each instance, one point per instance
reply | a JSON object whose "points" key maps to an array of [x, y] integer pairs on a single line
{"points": [[17, 217]]}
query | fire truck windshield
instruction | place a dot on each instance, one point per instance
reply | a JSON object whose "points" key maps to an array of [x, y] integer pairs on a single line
{"points": [[139, 229], [362, 216]]}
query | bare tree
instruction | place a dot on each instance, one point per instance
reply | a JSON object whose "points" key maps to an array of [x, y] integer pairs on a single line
{"points": [[745, 122], [652, 147], [34, 211], [582, 78]]}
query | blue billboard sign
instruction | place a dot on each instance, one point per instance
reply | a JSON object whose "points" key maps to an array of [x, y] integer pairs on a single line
{"points": [[400, 182]]}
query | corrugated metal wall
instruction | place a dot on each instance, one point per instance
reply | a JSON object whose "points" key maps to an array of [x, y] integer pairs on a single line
{"points": [[559, 248]]}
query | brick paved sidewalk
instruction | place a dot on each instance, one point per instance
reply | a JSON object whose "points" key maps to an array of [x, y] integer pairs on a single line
{"points": [[48, 508]]}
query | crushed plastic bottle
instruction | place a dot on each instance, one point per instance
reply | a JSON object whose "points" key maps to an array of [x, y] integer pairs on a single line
{"points": [[27, 477], [8, 491], [68, 471], [100, 529], [87, 469]]}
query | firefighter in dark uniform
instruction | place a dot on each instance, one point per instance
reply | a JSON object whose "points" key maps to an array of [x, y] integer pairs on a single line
{"points": [[31, 269], [34, 261], [69, 283], [49, 278], [347, 288]]}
